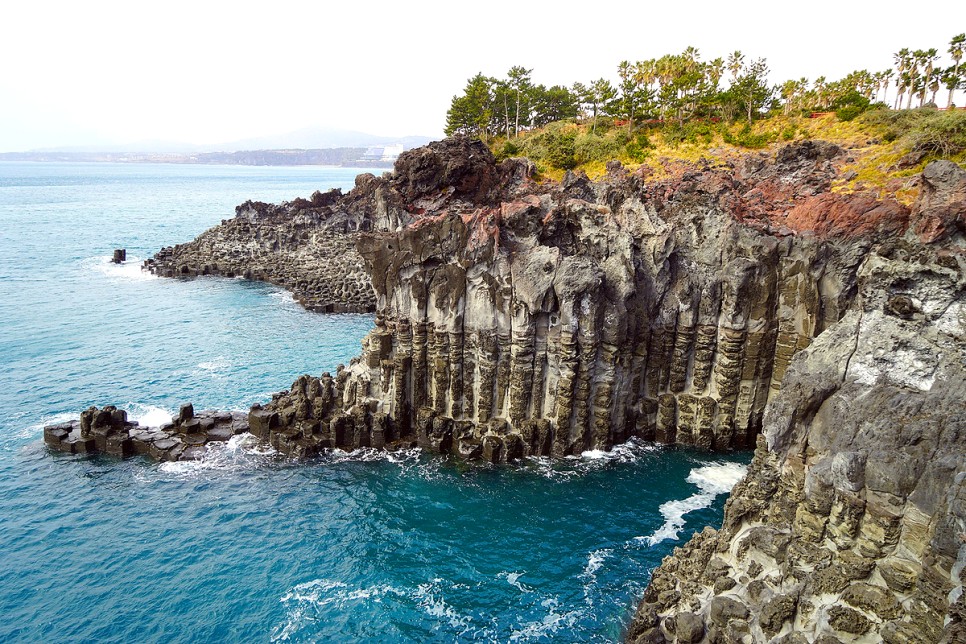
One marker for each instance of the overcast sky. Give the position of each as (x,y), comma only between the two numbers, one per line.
(208,72)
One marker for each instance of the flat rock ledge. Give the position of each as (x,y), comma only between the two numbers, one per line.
(108,431)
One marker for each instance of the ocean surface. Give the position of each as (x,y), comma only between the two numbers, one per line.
(245,545)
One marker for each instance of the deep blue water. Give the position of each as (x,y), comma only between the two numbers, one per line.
(246,546)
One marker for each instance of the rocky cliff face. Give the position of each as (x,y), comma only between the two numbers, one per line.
(516,318)
(850,525)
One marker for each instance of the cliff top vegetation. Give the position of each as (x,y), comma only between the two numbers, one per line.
(681,108)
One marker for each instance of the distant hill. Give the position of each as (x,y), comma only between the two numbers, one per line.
(312,138)
(319,138)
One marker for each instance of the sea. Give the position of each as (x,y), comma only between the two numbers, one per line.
(245,545)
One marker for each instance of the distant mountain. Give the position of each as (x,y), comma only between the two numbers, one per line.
(314,138)
(311,138)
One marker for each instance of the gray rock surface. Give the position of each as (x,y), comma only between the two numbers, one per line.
(852,512)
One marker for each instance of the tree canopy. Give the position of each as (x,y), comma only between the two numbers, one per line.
(681,87)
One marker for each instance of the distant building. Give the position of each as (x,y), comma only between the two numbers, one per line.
(391,152)
(386,153)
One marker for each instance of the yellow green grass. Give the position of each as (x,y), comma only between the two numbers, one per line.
(875,143)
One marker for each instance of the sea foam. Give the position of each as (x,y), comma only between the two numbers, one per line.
(127,271)
(711,480)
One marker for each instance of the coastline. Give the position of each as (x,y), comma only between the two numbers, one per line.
(448,210)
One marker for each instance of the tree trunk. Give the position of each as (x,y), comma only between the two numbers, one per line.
(506,116)
(516,128)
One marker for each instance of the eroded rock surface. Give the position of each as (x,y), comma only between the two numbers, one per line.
(517,317)
(851,524)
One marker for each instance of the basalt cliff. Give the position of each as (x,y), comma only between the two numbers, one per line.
(722,305)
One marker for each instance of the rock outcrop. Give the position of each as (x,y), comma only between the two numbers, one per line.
(517,318)
(850,525)
(108,431)
(305,246)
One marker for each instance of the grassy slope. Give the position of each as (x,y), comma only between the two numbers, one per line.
(876,141)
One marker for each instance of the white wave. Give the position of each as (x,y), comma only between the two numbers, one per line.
(711,480)
(592,460)
(283,296)
(240,452)
(429,597)
(594,562)
(37,429)
(513,578)
(217,364)
(128,271)
(147,415)
(313,600)
(549,624)
(369,454)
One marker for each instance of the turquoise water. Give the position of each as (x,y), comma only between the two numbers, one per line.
(244,545)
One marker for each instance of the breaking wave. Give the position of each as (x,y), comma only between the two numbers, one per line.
(712,480)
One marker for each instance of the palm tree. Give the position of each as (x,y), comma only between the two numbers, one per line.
(884,77)
(927,58)
(901,59)
(918,58)
(934,84)
(821,89)
(956,51)
(736,60)
(951,80)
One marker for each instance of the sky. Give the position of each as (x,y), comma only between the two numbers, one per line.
(206,72)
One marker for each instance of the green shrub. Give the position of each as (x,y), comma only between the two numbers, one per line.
(848,113)
(923,129)
(639,148)
(943,135)
(745,138)
(507,150)
(561,151)
(594,147)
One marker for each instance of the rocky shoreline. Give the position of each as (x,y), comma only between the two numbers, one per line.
(304,246)
(720,305)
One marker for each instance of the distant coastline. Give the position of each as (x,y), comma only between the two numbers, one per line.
(359,157)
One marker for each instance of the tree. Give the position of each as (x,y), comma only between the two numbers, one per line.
(902,59)
(955,50)
(599,94)
(929,57)
(736,61)
(554,104)
(503,100)
(472,112)
(753,87)
(951,80)
(519,81)
(633,95)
